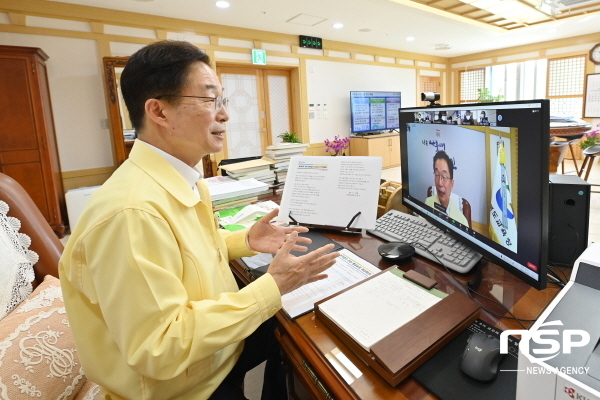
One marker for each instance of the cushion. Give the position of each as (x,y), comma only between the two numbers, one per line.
(37,351)
(89,391)
(16,263)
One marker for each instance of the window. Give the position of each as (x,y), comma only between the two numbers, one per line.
(561,80)
(565,86)
(470,81)
(518,81)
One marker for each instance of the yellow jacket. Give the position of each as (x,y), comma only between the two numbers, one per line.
(154,308)
(453,210)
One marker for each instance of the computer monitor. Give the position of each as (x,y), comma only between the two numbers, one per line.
(480,172)
(374,111)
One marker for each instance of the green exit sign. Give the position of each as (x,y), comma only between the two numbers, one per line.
(259,57)
(311,42)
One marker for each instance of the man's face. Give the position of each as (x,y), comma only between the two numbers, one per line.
(197,128)
(443,183)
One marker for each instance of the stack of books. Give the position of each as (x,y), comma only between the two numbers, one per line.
(253,169)
(280,154)
(226,192)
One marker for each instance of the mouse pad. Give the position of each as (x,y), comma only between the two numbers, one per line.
(442,376)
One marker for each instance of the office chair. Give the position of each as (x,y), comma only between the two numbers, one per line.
(590,154)
(570,140)
(463,204)
(558,150)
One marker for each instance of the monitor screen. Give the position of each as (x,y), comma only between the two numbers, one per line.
(374,111)
(480,172)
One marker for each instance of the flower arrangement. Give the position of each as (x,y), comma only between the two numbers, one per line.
(590,138)
(337,146)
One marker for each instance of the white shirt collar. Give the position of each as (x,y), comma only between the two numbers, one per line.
(191,175)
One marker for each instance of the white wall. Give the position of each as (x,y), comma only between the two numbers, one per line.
(330,82)
(77,94)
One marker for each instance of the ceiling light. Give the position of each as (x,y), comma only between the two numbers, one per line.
(364,30)
(338,25)
(222,4)
(410,39)
(442,46)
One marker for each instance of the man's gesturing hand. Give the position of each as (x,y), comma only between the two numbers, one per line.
(291,272)
(265,237)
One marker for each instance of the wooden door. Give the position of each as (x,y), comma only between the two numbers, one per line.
(246,129)
(259,109)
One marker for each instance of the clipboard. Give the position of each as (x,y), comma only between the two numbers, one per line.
(400,353)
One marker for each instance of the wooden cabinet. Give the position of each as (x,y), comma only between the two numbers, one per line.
(28,151)
(385,146)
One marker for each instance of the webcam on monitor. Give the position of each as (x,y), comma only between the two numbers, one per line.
(431,97)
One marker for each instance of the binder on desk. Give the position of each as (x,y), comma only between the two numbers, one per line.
(401,350)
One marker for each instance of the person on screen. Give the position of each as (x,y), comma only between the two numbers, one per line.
(483,119)
(456,120)
(468,119)
(442,201)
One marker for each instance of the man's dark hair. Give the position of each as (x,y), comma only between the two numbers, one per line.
(160,68)
(441,155)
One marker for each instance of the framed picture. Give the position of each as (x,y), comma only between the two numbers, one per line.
(591,101)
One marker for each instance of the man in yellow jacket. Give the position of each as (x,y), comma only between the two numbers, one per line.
(154,308)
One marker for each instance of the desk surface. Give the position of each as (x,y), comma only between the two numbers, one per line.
(306,340)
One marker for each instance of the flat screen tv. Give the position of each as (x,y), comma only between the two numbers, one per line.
(486,164)
(374,111)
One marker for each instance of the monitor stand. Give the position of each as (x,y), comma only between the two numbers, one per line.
(474,283)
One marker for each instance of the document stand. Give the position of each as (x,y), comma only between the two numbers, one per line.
(399,354)
(345,229)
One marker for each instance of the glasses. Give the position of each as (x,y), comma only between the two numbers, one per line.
(219,101)
(441,177)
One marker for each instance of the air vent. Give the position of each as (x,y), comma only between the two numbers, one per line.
(570,3)
(305,19)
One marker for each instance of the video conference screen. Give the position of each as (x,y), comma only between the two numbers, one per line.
(480,172)
(374,111)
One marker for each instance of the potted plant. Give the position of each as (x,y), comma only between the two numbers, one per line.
(484,96)
(337,146)
(590,138)
(289,137)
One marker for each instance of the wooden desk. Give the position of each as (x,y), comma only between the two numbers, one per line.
(305,340)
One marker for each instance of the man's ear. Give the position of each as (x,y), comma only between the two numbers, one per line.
(155,110)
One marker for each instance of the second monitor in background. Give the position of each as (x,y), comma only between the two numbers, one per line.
(374,112)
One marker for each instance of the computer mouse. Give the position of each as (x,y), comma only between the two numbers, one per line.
(398,252)
(481,357)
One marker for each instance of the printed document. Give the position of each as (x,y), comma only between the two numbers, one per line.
(347,270)
(374,309)
(326,190)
